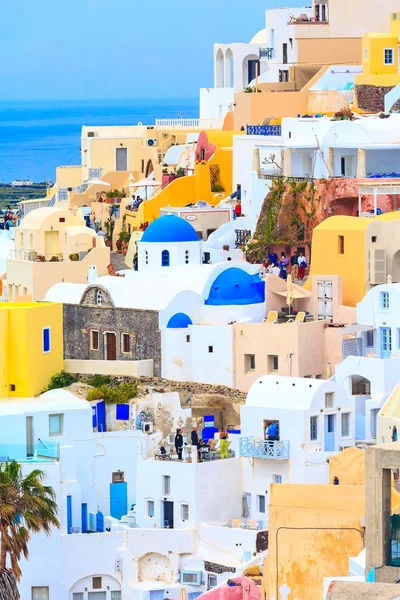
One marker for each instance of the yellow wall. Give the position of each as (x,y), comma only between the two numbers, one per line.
(305,557)
(68,176)
(351,265)
(374,69)
(28,367)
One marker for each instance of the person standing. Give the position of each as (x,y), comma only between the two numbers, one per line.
(283,263)
(302,265)
(179,443)
(238,209)
(194,436)
(223,443)
(294,264)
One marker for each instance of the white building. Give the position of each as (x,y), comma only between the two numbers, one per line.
(315,421)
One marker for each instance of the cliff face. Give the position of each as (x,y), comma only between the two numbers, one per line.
(371,97)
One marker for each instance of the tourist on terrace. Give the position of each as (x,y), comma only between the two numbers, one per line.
(273,258)
(274,270)
(302,265)
(283,263)
(238,209)
(295,265)
(100,232)
(179,443)
(224,443)
(272,432)
(194,436)
(133,201)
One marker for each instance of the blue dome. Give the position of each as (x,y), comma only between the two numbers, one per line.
(170,228)
(179,321)
(236,287)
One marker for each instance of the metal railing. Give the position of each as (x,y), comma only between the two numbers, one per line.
(267,53)
(33,256)
(254,448)
(62,195)
(42,451)
(190,123)
(289,178)
(275,130)
(95,173)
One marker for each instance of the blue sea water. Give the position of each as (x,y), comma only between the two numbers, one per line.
(36,137)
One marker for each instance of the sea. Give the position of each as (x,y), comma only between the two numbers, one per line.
(38,136)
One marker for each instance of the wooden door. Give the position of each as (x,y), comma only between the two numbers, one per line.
(111,346)
(51,243)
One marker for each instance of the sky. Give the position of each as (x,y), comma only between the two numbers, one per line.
(95,49)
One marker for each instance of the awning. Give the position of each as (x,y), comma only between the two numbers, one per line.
(296,292)
(355,328)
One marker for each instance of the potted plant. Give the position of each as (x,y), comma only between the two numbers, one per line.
(115,195)
(41,258)
(109,227)
(74,257)
(124,237)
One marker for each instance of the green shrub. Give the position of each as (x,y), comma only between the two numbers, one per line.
(99,380)
(113,394)
(61,380)
(217,188)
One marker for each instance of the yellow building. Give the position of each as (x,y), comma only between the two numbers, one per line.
(364,251)
(31,347)
(380,56)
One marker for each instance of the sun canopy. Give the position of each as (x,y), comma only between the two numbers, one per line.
(296,293)
(355,328)
(144,183)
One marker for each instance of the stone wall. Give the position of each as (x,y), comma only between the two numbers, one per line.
(371,97)
(141,325)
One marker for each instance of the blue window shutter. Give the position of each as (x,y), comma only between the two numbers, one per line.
(46,339)
(122,412)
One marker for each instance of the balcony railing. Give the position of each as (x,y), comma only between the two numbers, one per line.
(267,53)
(275,130)
(42,451)
(95,173)
(190,123)
(256,448)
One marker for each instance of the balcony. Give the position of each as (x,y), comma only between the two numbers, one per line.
(189,123)
(267,53)
(41,452)
(257,448)
(275,130)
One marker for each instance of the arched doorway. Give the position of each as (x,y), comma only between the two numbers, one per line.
(396,267)
(229,75)
(251,69)
(149,168)
(360,387)
(219,69)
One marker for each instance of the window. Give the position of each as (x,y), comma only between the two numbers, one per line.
(370,339)
(12,387)
(116,595)
(61,220)
(99,298)
(341,244)
(373,239)
(273,363)
(56,424)
(185,512)
(46,340)
(329,398)
(142,165)
(313,428)
(276,478)
(165,258)
(187,257)
(210,349)
(261,504)
(146,257)
(126,343)
(149,508)
(118,476)
(211,581)
(94,340)
(97,584)
(166,485)
(388,56)
(365,53)
(250,362)
(188,338)
(191,578)
(345,424)
(77,596)
(40,593)
(384,300)
(203,154)
(22,239)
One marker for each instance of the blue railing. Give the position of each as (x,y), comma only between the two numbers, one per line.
(253,448)
(264,130)
(95,173)
(42,451)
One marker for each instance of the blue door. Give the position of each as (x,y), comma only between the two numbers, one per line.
(118,499)
(329,433)
(157,594)
(69,514)
(84,515)
(386,342)
(101,416)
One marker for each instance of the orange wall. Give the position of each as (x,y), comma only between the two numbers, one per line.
(331,51)
(252,109)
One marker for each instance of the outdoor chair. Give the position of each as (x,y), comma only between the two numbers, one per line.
(272,317)
(300,317)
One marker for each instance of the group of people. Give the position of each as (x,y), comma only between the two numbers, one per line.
(279,266)
(9,220)
(201,445)
(136,201)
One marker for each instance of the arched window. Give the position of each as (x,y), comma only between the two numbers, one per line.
(165,258)
(187,257)
(99,298)
(146,257)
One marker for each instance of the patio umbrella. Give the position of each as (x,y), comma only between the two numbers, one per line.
(145,183)
(183,594)
(289,291)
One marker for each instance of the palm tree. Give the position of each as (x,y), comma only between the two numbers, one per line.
(26,505)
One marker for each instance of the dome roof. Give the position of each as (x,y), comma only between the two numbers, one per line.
(170,228)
